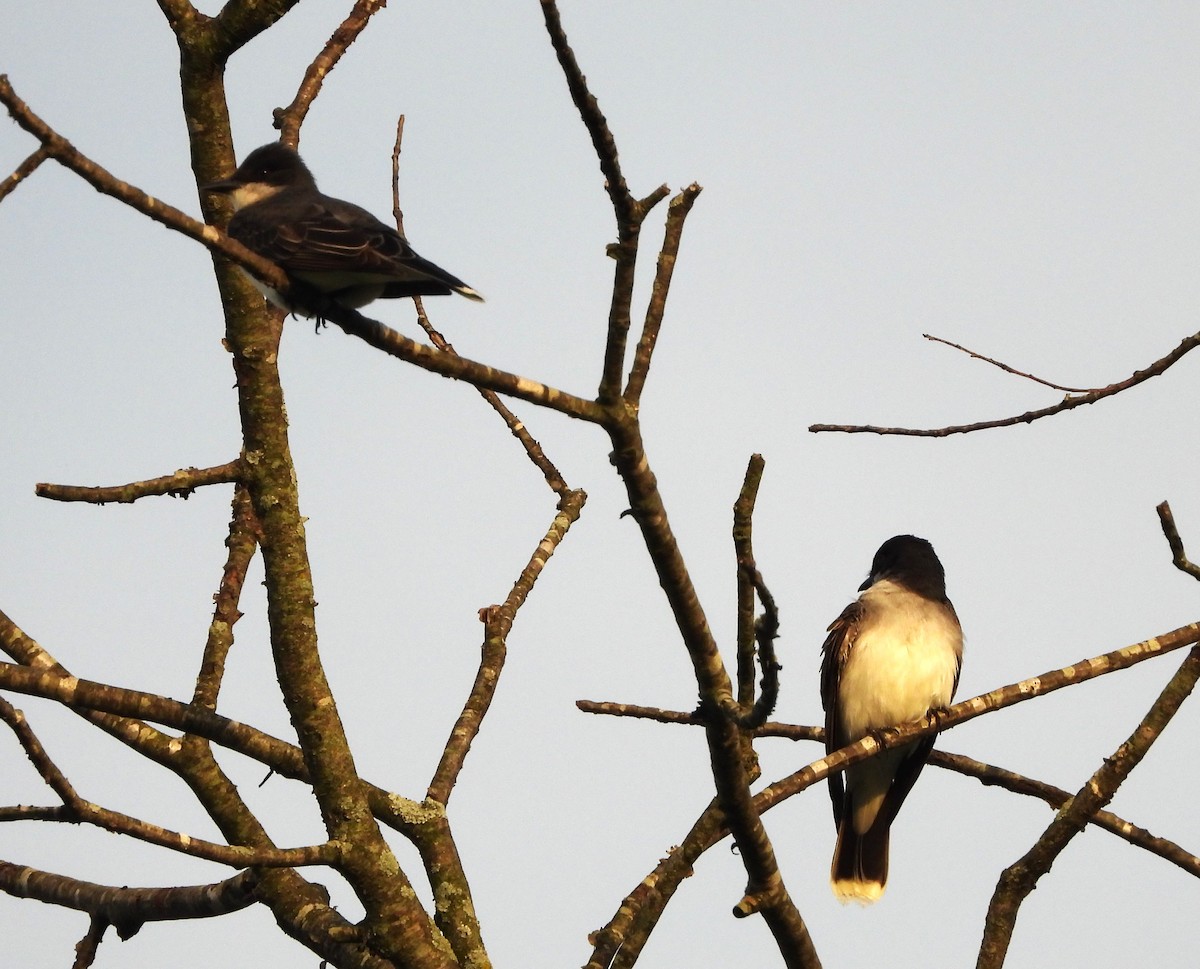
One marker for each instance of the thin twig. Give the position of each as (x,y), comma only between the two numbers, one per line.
(1007,369)
(514,424)
(991,776)
(497,623)
(242,543)
(23,171)
(629,212)
(1069,403)
(766,631)
(593,118)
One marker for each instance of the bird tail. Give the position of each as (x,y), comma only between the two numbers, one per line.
(860,861)
(464,290)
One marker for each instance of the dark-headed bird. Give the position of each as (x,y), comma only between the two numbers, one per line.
(332,249)
(893,655)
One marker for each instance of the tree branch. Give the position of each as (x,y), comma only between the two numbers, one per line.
(498,622)
(1069,403)
(288,120)
(242,543)
(1007,369)
(1021,878)
(127,909)
(677,213)
(396,344)
(1178,555)
(23,171)
(63,152)
(181,484)
(532,448)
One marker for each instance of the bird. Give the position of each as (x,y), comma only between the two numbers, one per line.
(333,251)
(893,655)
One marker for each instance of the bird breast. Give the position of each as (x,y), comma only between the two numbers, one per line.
(903,662)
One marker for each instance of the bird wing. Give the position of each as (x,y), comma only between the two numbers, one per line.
(842,633)
(329,236)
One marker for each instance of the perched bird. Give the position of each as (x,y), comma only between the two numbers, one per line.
(893,655)
(331,250)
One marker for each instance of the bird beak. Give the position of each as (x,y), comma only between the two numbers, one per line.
(223,187)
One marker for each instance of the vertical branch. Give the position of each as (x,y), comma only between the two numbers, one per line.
(87,947)
(743,514)
(242,542)
(624,205)
(730,755)
(1021,878)
(765,892)
(516,427)
(677,213)
(629,211)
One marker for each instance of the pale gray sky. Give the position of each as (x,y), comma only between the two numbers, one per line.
(1020,178)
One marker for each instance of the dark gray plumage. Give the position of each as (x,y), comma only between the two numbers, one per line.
(335,249)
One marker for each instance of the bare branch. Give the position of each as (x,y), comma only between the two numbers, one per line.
(77,810)
(288,120)
(1069,403)
(23,171)
(1007,369)
(87,947)
(727,744)
(629,212)
(987,774)
(138,734)
(1022,877)
(725,740)
(532,448)
(743,549)
(396,344)
(626,208)
(498,621)
(619,943)
(763,632)
(126,909)
(990,775)
(1179,556)
(238,23)
(63,152)
(76,693)
(181,484)
(677,213)
(965,710)
(242,543)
